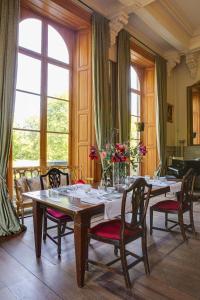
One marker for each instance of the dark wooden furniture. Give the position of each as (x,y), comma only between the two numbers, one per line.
(54,178)
(183,203)
(81,213)
(180,167)
(120,232)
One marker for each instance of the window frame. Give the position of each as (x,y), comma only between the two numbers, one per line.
(138,71)
(45,60)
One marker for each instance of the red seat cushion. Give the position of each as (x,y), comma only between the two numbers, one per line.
(111,230)
(80,181)
(58,215)
(169,205)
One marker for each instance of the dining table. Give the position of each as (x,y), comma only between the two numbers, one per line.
(81,213)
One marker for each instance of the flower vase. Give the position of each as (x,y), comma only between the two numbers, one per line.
(119,173)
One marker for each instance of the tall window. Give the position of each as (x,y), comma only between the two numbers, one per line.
(41,117)
(135,107)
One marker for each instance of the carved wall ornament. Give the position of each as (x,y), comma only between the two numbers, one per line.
(173,58)
(117,23)
(191,60)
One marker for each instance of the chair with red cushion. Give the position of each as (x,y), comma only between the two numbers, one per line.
(183,203)
(61,219)
(129,227)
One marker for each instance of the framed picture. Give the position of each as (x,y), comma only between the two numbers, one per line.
(170,112)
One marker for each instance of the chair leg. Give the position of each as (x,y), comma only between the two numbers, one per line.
(192,220)
(124,266)
(116,250)
(181,223)
(151,220)
(22,215)
(166,219)
(59,239)
(45,228)
(63,227)
(145,254)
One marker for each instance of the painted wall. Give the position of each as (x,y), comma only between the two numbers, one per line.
(177,83)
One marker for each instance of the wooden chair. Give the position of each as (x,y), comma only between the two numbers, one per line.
(61,219)
(180,205)
(120,232)
(22,202)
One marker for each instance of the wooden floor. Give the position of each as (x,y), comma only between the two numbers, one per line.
(175,269)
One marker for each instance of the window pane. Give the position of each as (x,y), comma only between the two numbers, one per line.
(26,148)
(57,149)
(135,104)
(28,74)
(135,84)
(57,48)
(27,111)
(58,82)
(30,34)
(58,115)
(134,132)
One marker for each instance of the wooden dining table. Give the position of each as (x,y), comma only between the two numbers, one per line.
(81,214)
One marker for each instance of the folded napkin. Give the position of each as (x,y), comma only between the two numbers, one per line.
(176,187)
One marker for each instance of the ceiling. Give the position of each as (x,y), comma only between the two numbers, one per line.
(170,27)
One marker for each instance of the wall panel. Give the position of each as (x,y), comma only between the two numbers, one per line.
(82,123)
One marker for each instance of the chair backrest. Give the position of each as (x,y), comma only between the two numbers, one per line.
(139,193)
(54,176)
(186,194)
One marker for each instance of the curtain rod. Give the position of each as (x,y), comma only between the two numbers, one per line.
(151,50)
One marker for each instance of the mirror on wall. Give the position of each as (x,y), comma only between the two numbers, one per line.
(193,113)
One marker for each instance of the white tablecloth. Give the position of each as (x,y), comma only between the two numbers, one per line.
(111,199)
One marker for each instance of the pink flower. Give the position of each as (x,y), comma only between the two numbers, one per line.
(103,154)
(120,147)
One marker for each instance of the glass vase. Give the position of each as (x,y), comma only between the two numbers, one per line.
(119,173)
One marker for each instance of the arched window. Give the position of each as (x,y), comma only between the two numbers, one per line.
(135,107)
(41,118)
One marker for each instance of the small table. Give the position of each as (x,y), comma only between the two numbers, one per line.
(80,212)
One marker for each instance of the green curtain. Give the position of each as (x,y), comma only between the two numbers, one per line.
(9,18)
(102,103)
(189,116)
(113,96)
(161,115)
(123,85)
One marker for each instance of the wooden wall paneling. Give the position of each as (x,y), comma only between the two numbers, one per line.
(196,116)
(149,164)
(82,124)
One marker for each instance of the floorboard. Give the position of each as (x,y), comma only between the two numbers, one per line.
(175,268)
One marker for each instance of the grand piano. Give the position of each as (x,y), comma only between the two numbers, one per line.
(179,167)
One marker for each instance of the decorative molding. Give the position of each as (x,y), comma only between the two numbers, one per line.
(173,58)
(117,22)
(191,60)
(136,3)
(178,15)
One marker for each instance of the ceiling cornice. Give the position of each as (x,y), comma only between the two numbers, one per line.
(140,36)
(178,16)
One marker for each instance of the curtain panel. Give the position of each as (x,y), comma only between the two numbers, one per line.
(100,70)
(161,115)
(9,19)
(123,85)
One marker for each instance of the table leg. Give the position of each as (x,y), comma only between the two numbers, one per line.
(37,222)
(81,225)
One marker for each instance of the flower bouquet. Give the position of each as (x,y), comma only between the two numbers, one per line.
(117,158)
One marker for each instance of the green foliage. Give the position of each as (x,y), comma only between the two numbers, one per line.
(26,144)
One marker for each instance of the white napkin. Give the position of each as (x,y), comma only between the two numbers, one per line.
(176,187)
